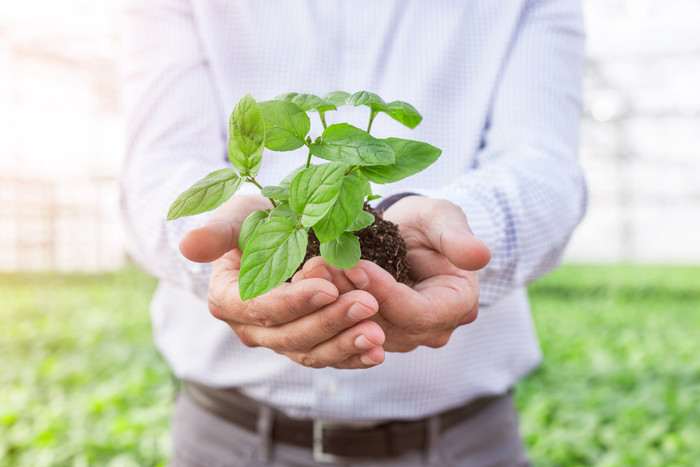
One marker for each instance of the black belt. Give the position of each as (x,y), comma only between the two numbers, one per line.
(331,442)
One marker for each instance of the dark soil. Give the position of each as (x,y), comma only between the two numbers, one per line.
(380,243)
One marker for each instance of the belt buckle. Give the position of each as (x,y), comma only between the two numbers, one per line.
(319,455)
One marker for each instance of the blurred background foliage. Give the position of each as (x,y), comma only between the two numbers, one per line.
(620,384)
(60,77)
(82,384)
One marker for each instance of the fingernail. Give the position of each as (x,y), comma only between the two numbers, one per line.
(364,358)
(322,299)
(362,343)
(358,277)
(358,311)
(320,272)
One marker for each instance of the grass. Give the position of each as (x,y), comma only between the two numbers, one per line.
(81,383)
(620,385)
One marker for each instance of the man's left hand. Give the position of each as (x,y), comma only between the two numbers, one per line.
(443,256)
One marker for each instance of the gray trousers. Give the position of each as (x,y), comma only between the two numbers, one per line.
(201,439)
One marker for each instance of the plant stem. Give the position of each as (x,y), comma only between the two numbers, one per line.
(255,182)
(322,115)
(372,114)
(308,159)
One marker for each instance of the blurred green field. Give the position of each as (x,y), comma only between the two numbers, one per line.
(81,383)
(620,385)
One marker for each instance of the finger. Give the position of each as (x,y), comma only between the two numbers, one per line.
(317,267)
(419,315)
(220,233)
(278,306)
(368,359)
(357,347)
(311,330)
(395,299)
(434,340)
(285,303)
(297,277)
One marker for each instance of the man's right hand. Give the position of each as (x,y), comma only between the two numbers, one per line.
(306,320)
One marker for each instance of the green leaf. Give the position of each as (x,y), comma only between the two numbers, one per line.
(369,99)
(411,158)
(278,192)
(281,192)
(288,179)
(271,257)
(246,136)
(283,210)
(363,220)
(345,143)
(314,191)
(307,102)
(286,125)
(344,211)
(206,194)
(368,188)
(337,98)
(254,220)
(342,252)
(405,113)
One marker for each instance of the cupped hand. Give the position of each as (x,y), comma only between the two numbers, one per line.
(307,320)
(443,256)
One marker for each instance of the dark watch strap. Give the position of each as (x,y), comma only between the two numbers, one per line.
(386,203)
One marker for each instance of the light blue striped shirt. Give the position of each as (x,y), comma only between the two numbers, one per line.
(498,83)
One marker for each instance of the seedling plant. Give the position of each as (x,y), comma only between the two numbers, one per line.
(325,198)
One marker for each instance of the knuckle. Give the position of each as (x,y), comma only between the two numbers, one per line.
(290,342)
(423,326)
(401,347)
(288,303)
(310,361)
(263,319)
(438,341)
(328,324)
(245,337)
(256,315)
(217,311)
(470,316)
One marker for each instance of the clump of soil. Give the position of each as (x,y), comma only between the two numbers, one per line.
(380,243)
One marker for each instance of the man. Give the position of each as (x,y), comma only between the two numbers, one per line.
(267,383)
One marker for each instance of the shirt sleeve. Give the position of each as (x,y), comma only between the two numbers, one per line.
(174,134)
(526,192)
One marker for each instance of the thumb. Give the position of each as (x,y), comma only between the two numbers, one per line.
(219,234)
(448,231)
(463,249)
